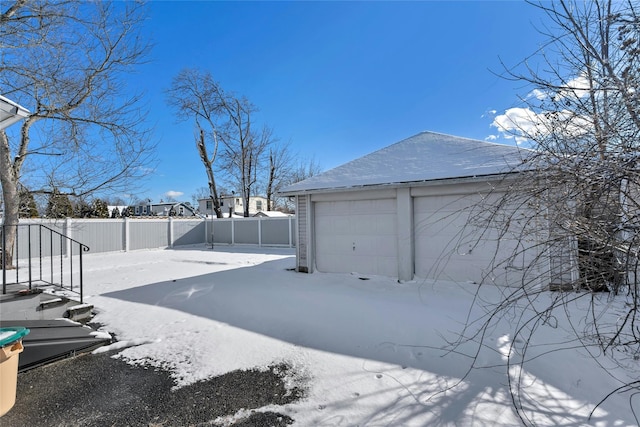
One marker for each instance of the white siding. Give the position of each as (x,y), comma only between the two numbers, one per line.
(302,254)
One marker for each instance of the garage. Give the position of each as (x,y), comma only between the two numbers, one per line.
(408,211)
(356,236)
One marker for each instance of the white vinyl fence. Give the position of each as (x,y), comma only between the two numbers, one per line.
(259,231)
(129,234)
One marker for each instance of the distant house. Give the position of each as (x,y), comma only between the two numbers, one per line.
(232,204)
(164,209)
(404,211)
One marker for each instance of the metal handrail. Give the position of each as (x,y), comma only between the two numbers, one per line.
(45,255)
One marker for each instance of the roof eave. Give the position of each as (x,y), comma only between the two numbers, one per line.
(425,183)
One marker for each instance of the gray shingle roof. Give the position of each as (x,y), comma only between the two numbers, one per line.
(426,156)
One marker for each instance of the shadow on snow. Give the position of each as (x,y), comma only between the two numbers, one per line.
(377,320)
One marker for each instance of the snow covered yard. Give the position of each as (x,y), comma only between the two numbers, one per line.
(367,350)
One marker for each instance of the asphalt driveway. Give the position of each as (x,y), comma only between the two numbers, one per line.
(98,390)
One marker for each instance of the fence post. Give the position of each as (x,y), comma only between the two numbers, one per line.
(125,234)
(68,232)
(170,225)
(290,233)
(259,231)
(233,231)
(212,231)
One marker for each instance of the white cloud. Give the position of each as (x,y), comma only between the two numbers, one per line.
(538,94)
(575,88)
(518,122)
(173,194)
(523,124)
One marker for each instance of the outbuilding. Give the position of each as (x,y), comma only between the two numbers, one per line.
(412,210)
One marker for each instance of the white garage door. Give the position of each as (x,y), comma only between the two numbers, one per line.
(357,236)
(446,243)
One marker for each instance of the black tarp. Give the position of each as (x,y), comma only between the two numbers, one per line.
(50,340)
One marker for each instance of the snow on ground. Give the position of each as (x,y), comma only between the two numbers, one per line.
(370,351)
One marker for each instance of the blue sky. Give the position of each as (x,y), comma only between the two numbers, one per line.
(336,79)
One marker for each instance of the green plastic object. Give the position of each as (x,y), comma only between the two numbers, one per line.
(12,334)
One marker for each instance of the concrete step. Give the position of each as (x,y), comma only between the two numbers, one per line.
(79,312)
(25,304)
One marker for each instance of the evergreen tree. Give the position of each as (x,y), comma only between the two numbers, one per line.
(59,205)
(82,210)
(28,207)
(115,213)
(100,209)
(127,211)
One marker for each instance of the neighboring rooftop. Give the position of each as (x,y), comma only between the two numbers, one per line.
(426,156)
(272,214)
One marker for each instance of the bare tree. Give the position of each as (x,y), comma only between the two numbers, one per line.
(285,168)
(280,162)
(230,142)
(244,147)
(295,170)
(64,61)
(305,168)
(195,95)
(199,194)
(580,181)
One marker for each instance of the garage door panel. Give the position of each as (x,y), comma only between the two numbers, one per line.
(340,244)
(356,236)
(376,246)
(446,203)
(438,225)
(386,226)
(362,246)
(388,266)
(452,244)
(340,225)
(445,245)
(382,224)
(323,209)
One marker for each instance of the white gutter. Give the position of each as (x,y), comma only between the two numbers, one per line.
(10,112)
